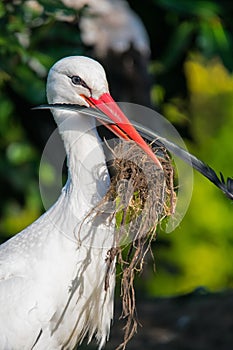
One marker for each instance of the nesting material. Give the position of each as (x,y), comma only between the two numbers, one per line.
(142,195)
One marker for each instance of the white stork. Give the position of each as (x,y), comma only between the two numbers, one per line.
(52,274)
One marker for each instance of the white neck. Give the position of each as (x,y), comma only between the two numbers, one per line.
(86,160)
(88,178)
(88,181)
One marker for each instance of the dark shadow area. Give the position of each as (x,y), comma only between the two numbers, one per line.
(196,321)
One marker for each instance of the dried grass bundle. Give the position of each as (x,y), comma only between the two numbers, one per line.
(143,195)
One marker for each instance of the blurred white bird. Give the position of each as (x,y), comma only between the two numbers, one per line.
(52,274)
(101,28)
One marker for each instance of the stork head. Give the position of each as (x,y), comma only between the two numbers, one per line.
(73,78)
(81,80)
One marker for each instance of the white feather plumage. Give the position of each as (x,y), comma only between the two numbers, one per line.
(52,274)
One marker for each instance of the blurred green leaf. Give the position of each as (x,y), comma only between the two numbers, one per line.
(178,43)
(200,250)
(19,152)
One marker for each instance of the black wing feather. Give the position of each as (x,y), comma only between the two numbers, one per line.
(225,186)
(201,167)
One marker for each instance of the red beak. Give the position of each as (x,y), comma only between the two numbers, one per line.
(122,126)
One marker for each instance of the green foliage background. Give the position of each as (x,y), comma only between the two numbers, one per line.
(192,63)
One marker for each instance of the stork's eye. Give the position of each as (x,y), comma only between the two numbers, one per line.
(76,80)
